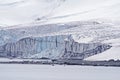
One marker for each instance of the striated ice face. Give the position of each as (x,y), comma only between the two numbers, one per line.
(67,40)
(53,47)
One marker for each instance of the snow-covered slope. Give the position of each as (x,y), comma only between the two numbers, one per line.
(14,12)
(53,11)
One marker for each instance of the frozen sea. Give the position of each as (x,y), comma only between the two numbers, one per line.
(57,72)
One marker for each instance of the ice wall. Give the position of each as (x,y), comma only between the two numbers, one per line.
(59,46)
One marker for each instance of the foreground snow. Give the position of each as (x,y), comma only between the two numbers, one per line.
(57,72)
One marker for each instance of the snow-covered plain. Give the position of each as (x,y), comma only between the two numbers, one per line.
(57,72)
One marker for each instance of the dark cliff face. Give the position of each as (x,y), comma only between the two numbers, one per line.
(51,47)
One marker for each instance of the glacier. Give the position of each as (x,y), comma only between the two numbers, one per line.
(51,47)
(56,41)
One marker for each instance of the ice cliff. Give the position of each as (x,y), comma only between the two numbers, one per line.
(73,40)
(51,47)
